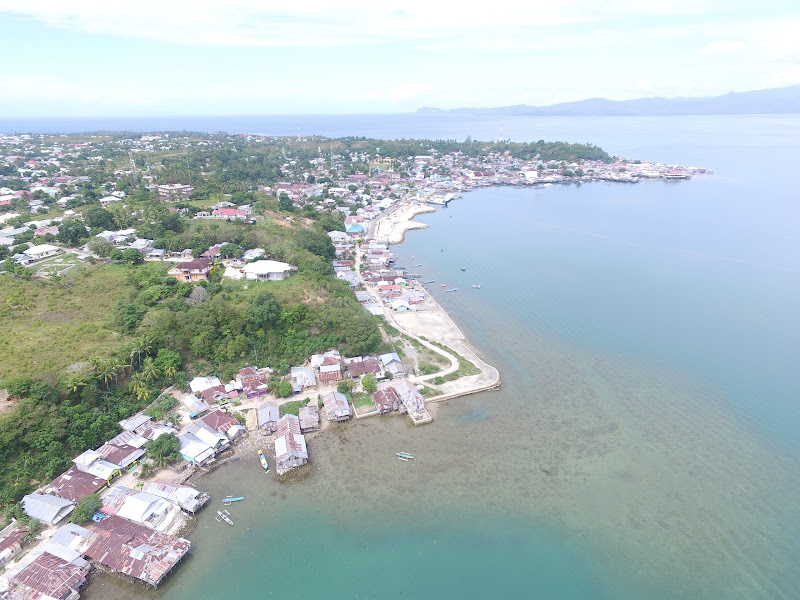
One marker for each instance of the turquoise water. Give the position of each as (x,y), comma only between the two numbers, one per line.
(645,443)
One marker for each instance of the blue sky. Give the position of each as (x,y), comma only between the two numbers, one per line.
(163,57)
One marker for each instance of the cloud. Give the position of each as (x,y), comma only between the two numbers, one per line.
(724,47)
(783,78)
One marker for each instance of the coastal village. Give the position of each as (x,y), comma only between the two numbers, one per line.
(146,507)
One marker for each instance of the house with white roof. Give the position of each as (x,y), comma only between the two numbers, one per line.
(41,251)
(195,450)
(267,270)
(47,509)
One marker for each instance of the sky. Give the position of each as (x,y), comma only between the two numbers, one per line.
(249,57)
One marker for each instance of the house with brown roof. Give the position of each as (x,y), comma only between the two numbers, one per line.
(359,367)
(290,445)
(309,418)
(197,269)
(50,576)
(75,485)
(12,543)
(387,400)
(224,423)
(330,371)
(336,406)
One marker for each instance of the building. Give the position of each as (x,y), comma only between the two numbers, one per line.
(75,485)
(42,251)
(290,445)
(359,367)
(195,450)
(197,269)
(268,416)
(174,189)
(224,423)
(253,382)
(154,512)
(387,400)
(187,498)
(303,379)
(11,543)
(309,419)
(93,463)
(267,270)
(330,370)
(135,550)
(45,508)
(51,577)
(121,454)
(336,406)
(392,364)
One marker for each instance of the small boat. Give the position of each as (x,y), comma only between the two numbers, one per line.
(452,290)
(228,500)
(463,268)
(405,455)
(429,281)
(224,515)
(263,460)
(477,286)
(417,265)
(403,458)
(443,285)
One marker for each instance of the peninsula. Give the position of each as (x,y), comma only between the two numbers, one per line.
(166,296)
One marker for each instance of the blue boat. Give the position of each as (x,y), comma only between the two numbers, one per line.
(404,456)
(263,460)
(227,500)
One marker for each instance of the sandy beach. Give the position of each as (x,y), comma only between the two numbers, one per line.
(394,226)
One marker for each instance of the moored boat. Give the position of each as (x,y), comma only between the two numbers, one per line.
(477,286)
(405,455)
(263,460)
(227,500)
(224,515)
(452,290)
(429,281)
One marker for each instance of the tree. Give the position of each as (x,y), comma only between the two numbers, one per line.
(368,383)
(132,256)
(86,508)
(345,386)
(101,246)
(228,250)
(285,389)
(149,370)
(163,450)
(98,218)
(115,254)
(264,311)
(71,232)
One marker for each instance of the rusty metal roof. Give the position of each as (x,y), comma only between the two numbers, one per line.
(53,576)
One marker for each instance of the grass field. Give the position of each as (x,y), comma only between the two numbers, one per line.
(46,326)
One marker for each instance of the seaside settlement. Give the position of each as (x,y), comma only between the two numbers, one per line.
(50,203)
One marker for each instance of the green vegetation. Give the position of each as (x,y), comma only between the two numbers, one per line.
(161,407)
(87,507)
(293,407)
(360,399)
(465,367)
(429,392)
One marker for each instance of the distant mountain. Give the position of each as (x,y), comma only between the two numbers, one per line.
(785,100)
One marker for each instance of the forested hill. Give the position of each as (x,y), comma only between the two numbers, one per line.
(785,100)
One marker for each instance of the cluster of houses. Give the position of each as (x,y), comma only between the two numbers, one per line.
(128,535)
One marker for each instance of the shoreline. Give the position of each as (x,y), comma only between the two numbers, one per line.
(400,220)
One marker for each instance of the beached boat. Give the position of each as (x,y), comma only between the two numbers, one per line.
(405,455)
(224,515)
(452,290)
(263,460)
(228,500)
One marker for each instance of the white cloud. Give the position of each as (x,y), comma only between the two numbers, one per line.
(783,78)
(724,47)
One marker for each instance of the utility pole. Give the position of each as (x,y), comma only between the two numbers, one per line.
(133,169)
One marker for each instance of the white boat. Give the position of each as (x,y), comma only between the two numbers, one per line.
(224,515)
(405,456)
(452,290)
(477,286)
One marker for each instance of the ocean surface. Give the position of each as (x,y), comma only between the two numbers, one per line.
(646,440)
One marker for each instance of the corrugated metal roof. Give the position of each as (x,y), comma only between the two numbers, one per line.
(46,508)
(75,484)
(53,576)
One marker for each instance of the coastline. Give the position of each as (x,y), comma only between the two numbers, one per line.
(396,223)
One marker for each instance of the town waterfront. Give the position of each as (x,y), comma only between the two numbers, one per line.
(646,442)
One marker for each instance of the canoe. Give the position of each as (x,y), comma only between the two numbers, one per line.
(229,499)
(405,455)
(263,460)
(223,515)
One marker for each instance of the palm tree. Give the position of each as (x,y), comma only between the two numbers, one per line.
(137,383)
(141,346)
(150,370)
(72,383)
(105,372)
(170,370)
(143,394)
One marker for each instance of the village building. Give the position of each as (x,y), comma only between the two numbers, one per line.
(387,400)
(267,270)
(358,367)
(146,509)
(290,445)
(303,379)
(309,419)
(121,454)
(42,251)
(224,423)
(194,450)
(337,408)
(174,189)
(205,432)
(198,384)
(194,270)
(268,416)
(187,498)
(11,541)
(49,576)
(93,463)
(392,364)
(135,550)
(45,508)
(194,405)
(330,370)
(253,382)
(74,485)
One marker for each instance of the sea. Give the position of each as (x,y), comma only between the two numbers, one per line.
(645,444)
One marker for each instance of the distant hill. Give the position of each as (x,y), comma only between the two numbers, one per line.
(785,100)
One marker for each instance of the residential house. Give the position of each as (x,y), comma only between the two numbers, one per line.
(268,416)
(387,400)
(267,270)
(337,408)
(413,400)
(93,463)
(205,432)
(51,577)
(11,543)
(392,364)
(121,454)
(330,370)
(194,405)
(45,508)
(224,423)
(41,251)
(187,498)
(74,485)
(303,379)
(290,445)
(135,550)
(174,189)
(194,450)
(253,382)
(146,509)
(194,270)
(198,384)
(309,418)
(358,367)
